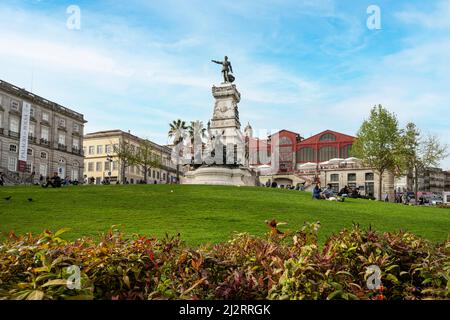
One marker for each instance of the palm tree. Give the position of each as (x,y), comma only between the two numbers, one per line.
(197,132)
(177,132)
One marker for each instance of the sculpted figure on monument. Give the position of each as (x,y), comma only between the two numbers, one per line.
(226,69)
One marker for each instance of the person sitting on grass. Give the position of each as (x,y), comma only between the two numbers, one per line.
(328,192)
(317,191)
(55,181)
(344,192)
(355,193)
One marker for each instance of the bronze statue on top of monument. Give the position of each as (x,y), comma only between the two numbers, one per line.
(223,160)
(227,69)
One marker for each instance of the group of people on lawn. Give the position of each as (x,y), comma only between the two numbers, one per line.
(329,194)
(55,181)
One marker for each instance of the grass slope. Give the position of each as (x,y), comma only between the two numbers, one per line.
(201,213)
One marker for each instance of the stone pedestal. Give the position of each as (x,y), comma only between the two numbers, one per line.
(224,131)
(225,121)
(217,175)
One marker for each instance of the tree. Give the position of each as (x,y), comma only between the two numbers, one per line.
(177,132)
(125,152)
(411,161)
(147,157)
(420,153)
(197,132)
(378,143)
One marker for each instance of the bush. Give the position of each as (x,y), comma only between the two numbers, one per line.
(246,267)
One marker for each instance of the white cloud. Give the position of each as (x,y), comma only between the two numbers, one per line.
(438,18)
(59,56)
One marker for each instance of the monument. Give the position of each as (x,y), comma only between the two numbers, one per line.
(226,161)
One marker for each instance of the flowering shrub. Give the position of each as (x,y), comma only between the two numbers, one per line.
(279,266)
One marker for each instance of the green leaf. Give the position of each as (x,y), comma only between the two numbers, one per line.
(334,295)
(23,295)
(352,296)
(336,286)
(59,260)
(345,272)
(126,280)
(36,295)
(61,231)
(41,269)
(45,276)
(55,282)
(392,278)
(391,267)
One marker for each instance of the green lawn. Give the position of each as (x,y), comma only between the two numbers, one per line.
(201,213)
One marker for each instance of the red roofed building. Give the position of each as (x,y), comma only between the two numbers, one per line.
(324,146)
(294,150)
(303,162)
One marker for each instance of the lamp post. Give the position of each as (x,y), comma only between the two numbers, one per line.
(110,159)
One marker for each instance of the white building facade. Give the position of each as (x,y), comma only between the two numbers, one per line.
(54,142)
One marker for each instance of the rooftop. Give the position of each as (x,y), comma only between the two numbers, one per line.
(118,132)
(24,94)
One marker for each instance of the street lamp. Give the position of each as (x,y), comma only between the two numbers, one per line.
(110,159)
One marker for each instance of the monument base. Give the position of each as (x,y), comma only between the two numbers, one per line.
(221,175)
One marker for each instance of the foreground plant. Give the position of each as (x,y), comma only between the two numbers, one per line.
(291,266)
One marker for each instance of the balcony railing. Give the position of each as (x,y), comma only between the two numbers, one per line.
(31,139)
(62,147)
(167,168)
(44,142)
(77,151)
(13,134)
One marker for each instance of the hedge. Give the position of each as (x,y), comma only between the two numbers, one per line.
(278,266)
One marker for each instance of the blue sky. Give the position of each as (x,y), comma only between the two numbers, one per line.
(305,66)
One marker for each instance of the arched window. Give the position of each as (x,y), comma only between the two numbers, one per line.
(328,137)
(285,140)
(62,168)
(306,154)
(29,152)
(75,174)
(345,151)
(13,148)
(327,153)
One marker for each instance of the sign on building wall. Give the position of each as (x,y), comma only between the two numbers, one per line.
(24,129)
